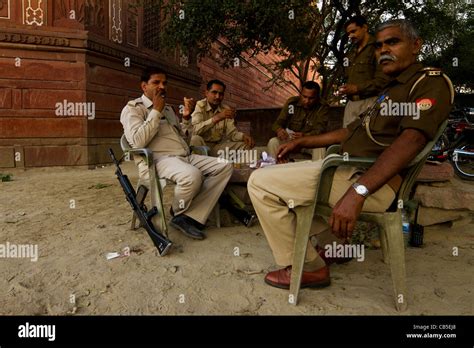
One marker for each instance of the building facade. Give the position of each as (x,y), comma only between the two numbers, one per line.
(68,67)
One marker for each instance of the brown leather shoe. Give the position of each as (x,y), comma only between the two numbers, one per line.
(281,278)
(331,260)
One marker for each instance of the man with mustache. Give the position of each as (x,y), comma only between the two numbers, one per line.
(365,78)
(149,122)
(213,123)
(394,141)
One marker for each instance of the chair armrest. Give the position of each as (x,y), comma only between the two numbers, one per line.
(333,149)
(142,152)
(329,167)
(200,150)
(338,160)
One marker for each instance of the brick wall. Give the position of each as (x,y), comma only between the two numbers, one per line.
(81,60)
(245,83)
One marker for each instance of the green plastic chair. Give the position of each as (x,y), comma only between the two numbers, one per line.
(390,222)
(157,184)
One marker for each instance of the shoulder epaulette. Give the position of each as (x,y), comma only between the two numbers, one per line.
(430,71)
(201,103)
(134,102)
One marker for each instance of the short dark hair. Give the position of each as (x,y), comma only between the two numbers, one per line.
(151,70)
(358,20)
(311,85)
(406,27)
(215,82)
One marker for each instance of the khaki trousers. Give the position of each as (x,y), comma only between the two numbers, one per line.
(275,188)
(199,180)
(353,109)
(274,143)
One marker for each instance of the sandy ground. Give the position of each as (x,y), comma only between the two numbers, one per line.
(72,275)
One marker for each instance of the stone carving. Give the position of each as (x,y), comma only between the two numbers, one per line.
(115,10)
(4,9)
(34,12)
(132,25)
(34,39)
(92,15)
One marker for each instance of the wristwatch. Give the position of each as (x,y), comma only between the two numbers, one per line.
(360,189)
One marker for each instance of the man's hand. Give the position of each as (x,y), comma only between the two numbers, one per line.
(158,100)
(348,89)
(189,105)
(297,135)
(249,142)
(282,134)
(345,213)
(285,149)
(227,113)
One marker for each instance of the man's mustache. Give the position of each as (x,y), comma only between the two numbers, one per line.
(387,57)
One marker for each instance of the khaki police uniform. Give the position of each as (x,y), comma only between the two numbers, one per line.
(364,72)
(293,116)
(271,192)
(217,136)
(199,180)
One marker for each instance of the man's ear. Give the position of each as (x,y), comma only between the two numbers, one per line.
(417,46)
(143,86)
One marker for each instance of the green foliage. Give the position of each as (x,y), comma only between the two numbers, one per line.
(308,36)
(5,177)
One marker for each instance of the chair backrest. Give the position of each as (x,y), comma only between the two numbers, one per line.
(124,143)
(417,164)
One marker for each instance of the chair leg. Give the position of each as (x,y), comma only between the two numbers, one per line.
(217,214)
(396,254)
(304,217)
(384,246)
(134,221)
(157,201)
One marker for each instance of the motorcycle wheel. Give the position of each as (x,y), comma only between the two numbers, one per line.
(464,163)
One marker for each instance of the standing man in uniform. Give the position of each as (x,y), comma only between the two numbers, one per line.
(392,138)
(149,122)
(301,116)
(365,78)
(213,123)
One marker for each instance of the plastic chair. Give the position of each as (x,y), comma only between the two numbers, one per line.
(391,235)
(156,184)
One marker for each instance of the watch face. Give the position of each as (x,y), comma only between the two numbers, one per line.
(361,189)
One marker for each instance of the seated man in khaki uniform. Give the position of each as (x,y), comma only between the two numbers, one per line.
(301,116)
(149,122)
(213,123)
(394,138)
(365,78)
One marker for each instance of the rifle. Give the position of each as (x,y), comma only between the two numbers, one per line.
(161,242)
